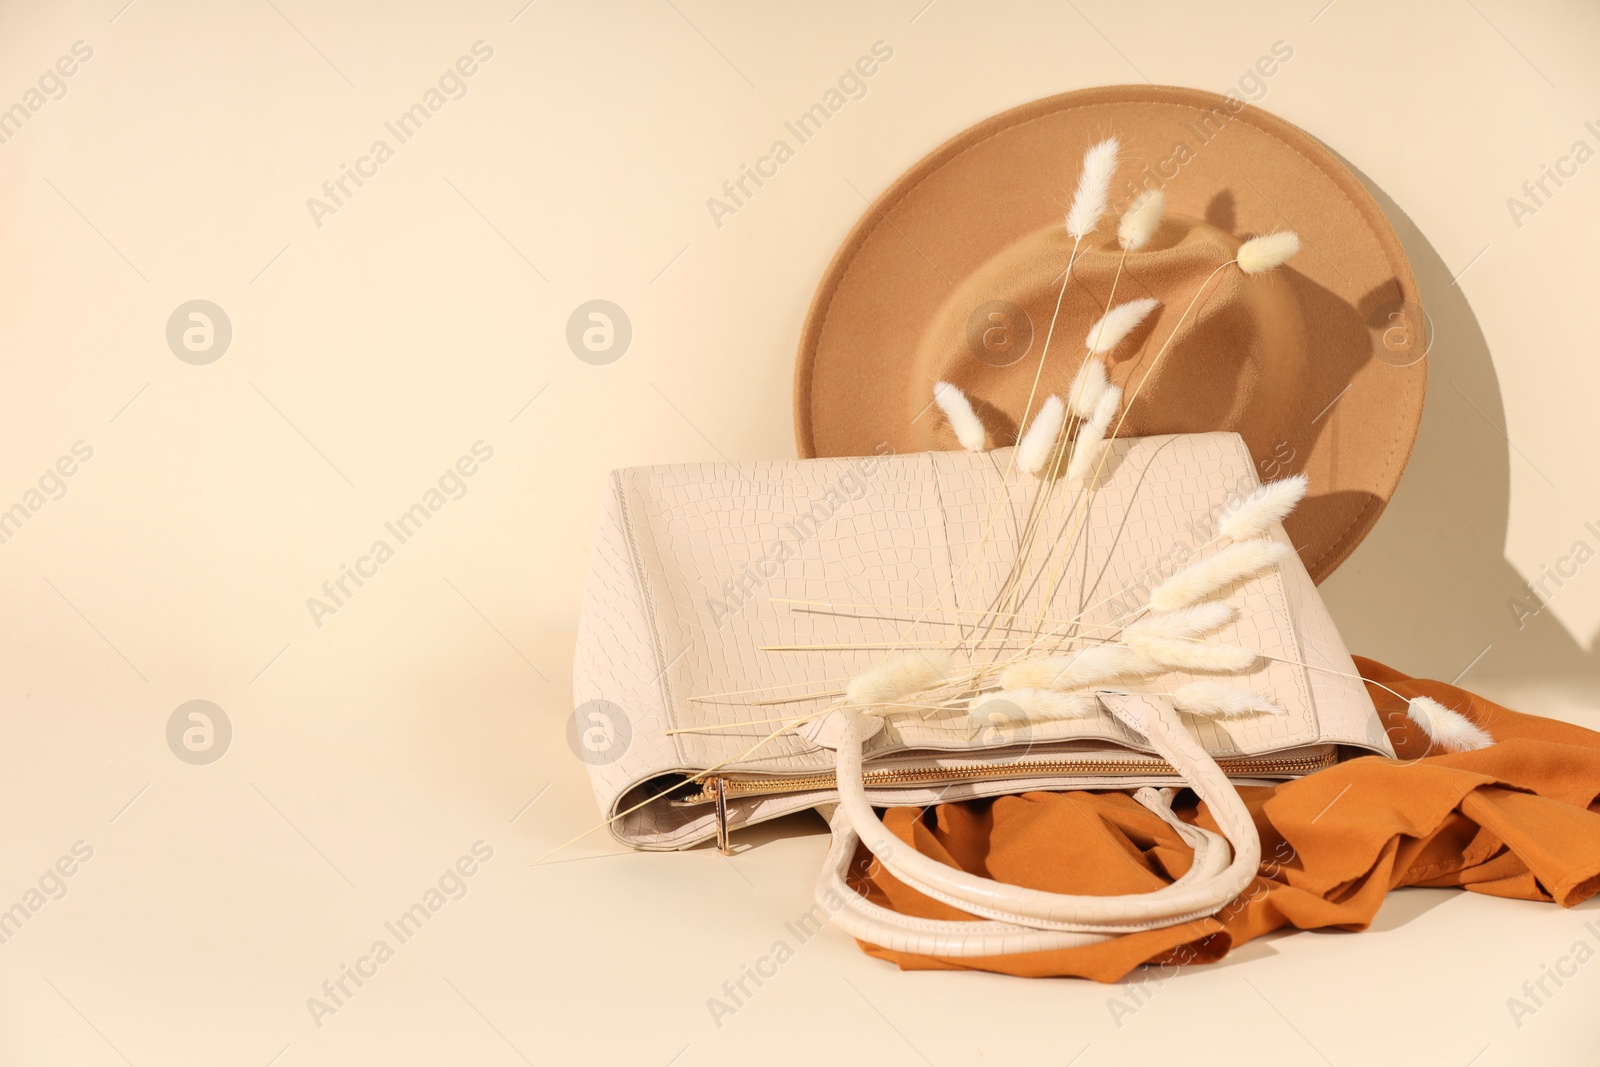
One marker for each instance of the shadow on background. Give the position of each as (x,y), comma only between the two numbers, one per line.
(1429,590)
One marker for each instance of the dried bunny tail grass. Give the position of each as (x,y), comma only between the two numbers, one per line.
(1034,705)
(1261,254)
(1235,563)
(1179,654)
(1106,406)
(1223,701)
(1089,201)
(1091,440)
(1141,220)
(1270,503)
(1095,665)
(1197,620)
(1085,451)
(1033,451)
(1447,729)
(963,420)
(1088,387)
(901,674)
(1117,323)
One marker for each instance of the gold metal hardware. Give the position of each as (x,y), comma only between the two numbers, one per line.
(720,787)
(718,790)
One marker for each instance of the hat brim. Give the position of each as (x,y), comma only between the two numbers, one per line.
(1238,167)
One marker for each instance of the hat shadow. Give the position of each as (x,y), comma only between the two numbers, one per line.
(1430,590)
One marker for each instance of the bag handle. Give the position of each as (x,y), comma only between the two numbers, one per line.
(860,918)
(1021,915)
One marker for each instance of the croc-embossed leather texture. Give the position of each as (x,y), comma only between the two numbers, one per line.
(714,589)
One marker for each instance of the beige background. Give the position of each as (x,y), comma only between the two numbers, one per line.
(372,351)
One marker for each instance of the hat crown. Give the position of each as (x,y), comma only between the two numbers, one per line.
(1229,364)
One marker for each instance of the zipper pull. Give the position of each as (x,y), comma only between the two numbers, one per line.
(718,790)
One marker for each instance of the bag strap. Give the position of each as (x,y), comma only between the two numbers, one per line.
(860,918)
(1212,881)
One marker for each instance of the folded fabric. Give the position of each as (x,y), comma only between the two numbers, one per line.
(1519,819)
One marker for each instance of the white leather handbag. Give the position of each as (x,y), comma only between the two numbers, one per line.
(729,608)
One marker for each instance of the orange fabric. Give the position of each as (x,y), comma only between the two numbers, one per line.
(1519,819)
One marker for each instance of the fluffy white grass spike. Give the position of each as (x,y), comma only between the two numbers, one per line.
(1106,407)
(1087,387)
(1197,620)
(1089,201)
(1141,220)
(1091,439)
(1095,665)
(963,420)
(900,675)
(1117,323)
(1193,655)
(1235,563)
(1223,701)
(1033,451)
(1255,514)
(1448,729)
(1085,452)
(1036,705)
(1260,254)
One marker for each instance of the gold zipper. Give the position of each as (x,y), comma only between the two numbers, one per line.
(718,788)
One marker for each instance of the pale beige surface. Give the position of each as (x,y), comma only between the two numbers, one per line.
(372,352)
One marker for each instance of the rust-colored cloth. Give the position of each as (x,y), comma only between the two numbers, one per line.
(1519,819)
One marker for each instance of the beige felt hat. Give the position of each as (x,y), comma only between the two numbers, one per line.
(953,275)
